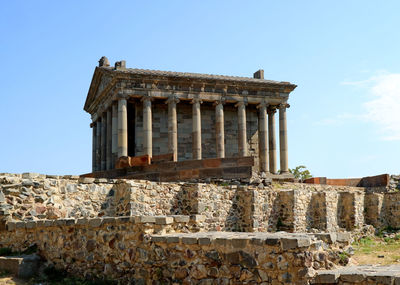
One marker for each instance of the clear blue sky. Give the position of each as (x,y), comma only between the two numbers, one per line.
(344,119)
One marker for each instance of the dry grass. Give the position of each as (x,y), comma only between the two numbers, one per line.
(377,250)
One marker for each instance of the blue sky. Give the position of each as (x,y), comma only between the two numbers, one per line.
(344,119)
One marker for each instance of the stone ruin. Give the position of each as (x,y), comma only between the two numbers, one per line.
(144,232)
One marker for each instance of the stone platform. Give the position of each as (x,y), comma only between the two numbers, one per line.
(363,274)
(187,170)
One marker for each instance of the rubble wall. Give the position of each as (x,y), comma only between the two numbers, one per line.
(145,249)
(292,207)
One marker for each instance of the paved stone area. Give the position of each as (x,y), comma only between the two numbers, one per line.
(365,274)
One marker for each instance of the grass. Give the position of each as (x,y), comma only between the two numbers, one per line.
(377,250)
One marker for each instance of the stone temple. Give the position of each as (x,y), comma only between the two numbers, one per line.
(141,117)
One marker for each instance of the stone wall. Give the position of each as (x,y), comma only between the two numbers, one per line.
(146,249)
(34,196)
(292,207)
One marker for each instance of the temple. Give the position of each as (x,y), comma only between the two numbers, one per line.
(141,115)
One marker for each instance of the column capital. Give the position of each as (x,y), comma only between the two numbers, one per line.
(172,99)
(263,104)
(196,101)
(120,95)
(283,106)
(146,98)
(220,101)
(271,109)
(241,103)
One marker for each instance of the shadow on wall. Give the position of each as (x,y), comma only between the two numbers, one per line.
(185,201)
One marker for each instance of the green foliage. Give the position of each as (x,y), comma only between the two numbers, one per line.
(5,251)
(366,241)
(300,172)
(4,273)
(344,258)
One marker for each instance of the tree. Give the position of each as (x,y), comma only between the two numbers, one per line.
(300,172)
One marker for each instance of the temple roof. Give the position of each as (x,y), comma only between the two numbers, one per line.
(195,75)
(105,77)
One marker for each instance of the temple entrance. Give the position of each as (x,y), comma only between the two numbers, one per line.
(131,129)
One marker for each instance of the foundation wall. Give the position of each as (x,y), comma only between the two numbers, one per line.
(288,206)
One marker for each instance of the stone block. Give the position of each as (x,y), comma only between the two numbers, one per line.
(139,160)
(30,224)
(158,239)
(20,225)
(172,239)
(211,173)
(189,174)
(30,175)
(204,241)
(352,277)
(122,162)
(343,237)
(11,226)
(197,218)
(164,220)
(86,180)
(145,219)
(245,161)
(326,277)
(162,158)
(169,176)
(108,221)
(238,243)
(272,241)
(181,218)
(123,219)
(95,222)
(189,240)
(211,163)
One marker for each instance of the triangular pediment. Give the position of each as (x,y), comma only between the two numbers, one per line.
(100,81)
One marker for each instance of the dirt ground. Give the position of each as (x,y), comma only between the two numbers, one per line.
(12,281)
(377,250)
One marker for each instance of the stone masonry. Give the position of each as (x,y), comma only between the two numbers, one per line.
(194,233)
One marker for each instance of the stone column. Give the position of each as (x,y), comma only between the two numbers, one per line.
(114,134)
(109,139)
(172,127)
(196,128)
(147,126)
(272,139)
(263,137)
(219,128)
(122,128)
(98,144)
(283,145)
(103,141)
(242,133)
(94,142)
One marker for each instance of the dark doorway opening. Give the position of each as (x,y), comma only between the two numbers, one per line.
(131,129)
